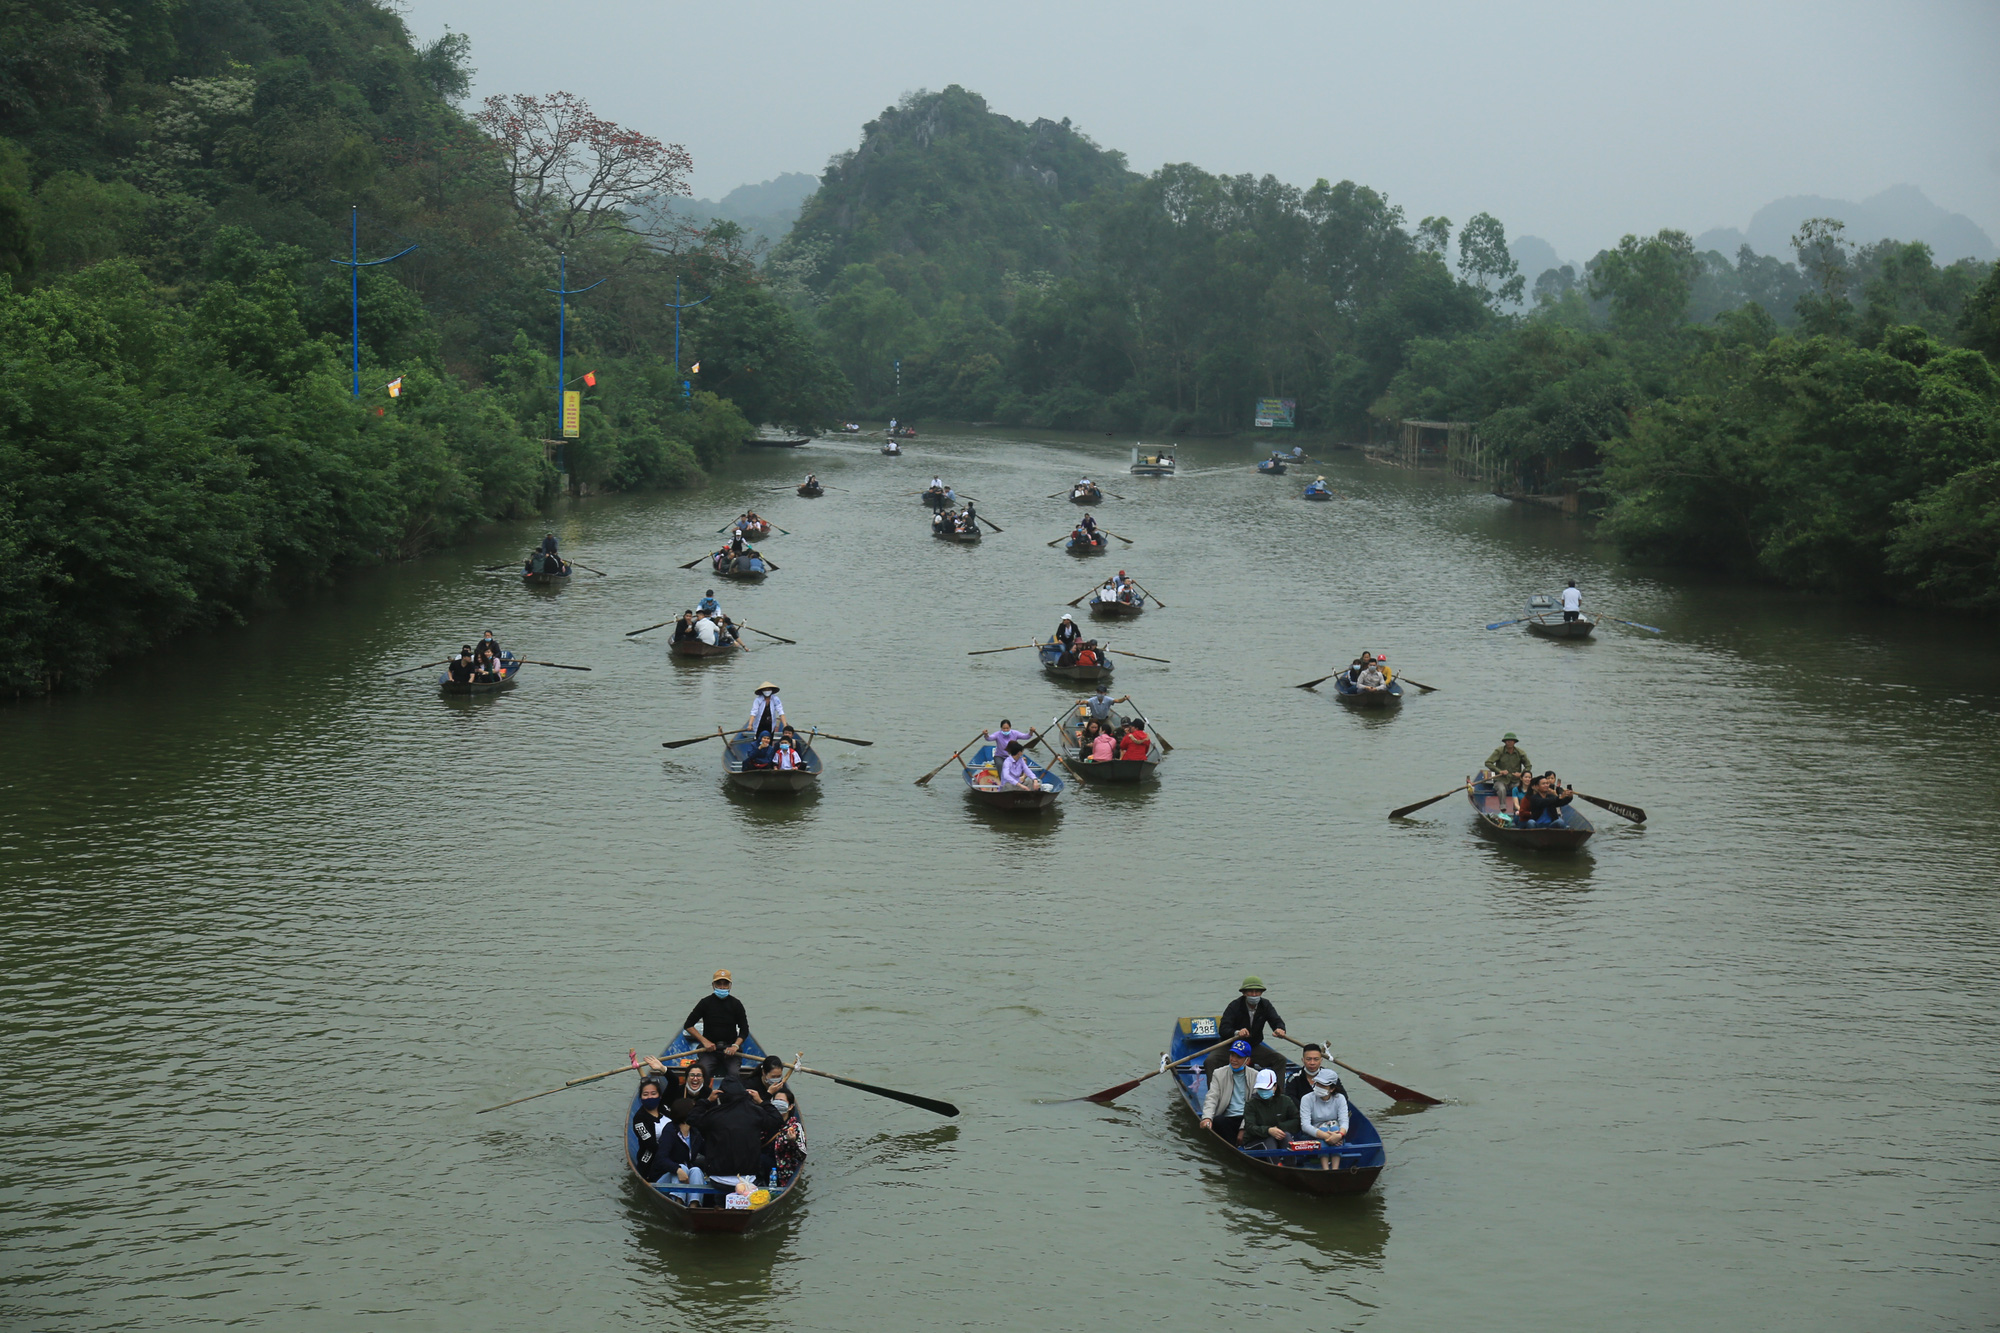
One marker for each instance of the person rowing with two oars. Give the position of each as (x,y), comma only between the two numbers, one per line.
(1508,769)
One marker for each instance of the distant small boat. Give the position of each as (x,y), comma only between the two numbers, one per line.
(1350,693)
(509,668)
(1070,726)
(1158,464)
(892,448)
(737,749)
(982,784)
(1272,467)
(1093,543)
(756,531)
(1558,628)
(901,433)
(749,566)
(812,492)
(540,571)
(1350,1168)
(948,533)
(937,499)
(761,443)
(1085,495)
(692,648)
(1115,607)
(1096,674)
(1570,833)
(1317,491)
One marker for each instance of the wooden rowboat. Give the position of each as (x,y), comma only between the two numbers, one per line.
(779,444)
(982,784)
(1313,493)
(754,532)
(1094,543)
(704,1209)
(811,492)
(1051,653)
(740,746)
(1272,467)
(695,649)
(1555,627)
(1349,693)
(892,448)
(1347,1168)
(951,534)
(749,566)
(546,576)
(943,499)
(1567,836)
(1070,726)
(1115,609)
(509,669)
(1085,495)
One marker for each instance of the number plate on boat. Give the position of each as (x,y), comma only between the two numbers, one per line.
(1201,1027)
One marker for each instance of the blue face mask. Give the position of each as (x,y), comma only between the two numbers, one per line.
(650,1103)
(722,992)
(1267,1092)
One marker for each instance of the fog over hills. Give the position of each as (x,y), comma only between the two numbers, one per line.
(1899,213)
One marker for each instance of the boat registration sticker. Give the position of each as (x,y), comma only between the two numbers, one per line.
(735,1200)
(1202,1027)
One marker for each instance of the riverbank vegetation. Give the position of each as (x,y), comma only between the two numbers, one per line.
(179,436)
(1828,421)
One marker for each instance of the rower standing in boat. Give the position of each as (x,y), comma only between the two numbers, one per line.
(1066,632)
(708,606)
(1100,704)
(767,711)
(1572,601)
(1006,735)
(1089,524)
(1508,769)
(723,1024)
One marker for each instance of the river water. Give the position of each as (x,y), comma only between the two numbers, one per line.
(277,925)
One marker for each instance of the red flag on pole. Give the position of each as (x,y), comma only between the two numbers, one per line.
(591,379)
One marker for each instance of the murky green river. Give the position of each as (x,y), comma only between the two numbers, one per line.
(277,925)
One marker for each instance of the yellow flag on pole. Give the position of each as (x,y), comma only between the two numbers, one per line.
(396,387)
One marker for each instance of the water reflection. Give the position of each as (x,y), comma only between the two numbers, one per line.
(761,810)
(704,1277)
(1021,824)
(1343,1229)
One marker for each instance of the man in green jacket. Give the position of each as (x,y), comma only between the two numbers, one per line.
(1509,768)
(1271,1117)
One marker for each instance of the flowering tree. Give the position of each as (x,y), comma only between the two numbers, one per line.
(574,171)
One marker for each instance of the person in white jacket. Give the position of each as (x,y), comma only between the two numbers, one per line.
(1323,1113)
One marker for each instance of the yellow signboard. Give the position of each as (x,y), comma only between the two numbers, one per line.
(572,413)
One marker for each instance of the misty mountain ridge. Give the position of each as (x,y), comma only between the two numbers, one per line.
(1899,213)
(765,209)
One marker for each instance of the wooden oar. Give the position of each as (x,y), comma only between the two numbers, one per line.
(1109,533)
(987,521)
(1634,624)
(573,1083)
(558,665)
(580,565)
(1400,811)
(692,740)
(980,652)
(1118,1090)
(1142,588)
(1427,689)
(1619,808)
(767,634)
(925,780)
(1321,680)
(488,569)
(849,739)
(1382,1085)
(1141,656)
(407,670)
(1155,732)
(650,628)
(926,1103)
(1502,624)
(697,560)
(1092,592)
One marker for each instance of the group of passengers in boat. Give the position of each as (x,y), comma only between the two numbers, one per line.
(811,483)
(545,560)
(714,1118)
(1010,766)
(738,549)
(1086,532)
(480,663)
(1072,649)
(1526,799)
(1084,486)
(773,742)
(1369,671)
(1100,742)
(1251,1103)
(706,624)
(1117,588)
(956,520)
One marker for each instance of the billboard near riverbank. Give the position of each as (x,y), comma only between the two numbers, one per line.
(1277,412)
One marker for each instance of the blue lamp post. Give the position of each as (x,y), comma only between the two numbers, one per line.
(687,390)
(354,265)
(563,292)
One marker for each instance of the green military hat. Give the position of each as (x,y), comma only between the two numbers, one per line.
(1510,736)
(1252,983)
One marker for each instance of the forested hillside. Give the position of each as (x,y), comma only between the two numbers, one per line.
(1829,420)
(179,436)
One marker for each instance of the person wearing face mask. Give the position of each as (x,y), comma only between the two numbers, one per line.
(651,1125)
(723,1024)
(1229,1092)
(1311,1058)
(1323,1114)
(788,1149)
(1272,1117)
(774,1078)
(1248,1015)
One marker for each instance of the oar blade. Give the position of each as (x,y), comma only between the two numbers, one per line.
(1502,624)
(1390,1088)
(1619,808)
(1322,680)
(1401,811)
(908,1098)
(1112,1094)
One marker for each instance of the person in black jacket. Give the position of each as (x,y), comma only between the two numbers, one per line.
(651,1125)
(1247,1016)
(724,1025)
(735,1131)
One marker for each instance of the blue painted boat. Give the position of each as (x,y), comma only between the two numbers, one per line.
(738,748)
(982,784)
(1318,491)
(1349,1167)
(510,668)
(1272,467)
(1566,835)
(702,1209)
(1350,693)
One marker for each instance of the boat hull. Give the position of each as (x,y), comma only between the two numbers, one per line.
(1088,675)
(812,494)
(964,538)
(1580,628)
(1115,610)
(696,650)
(1089,497)
(446,685)
(778,444)
(892,450)
(1350,1168)
(1572,833)
(1355,697)
(738,747)
(544,580)
(995,797)
(681,1204)
(741,568)
(933,500)
(1318,495)
(1069,726)
(1270,469)
(1075,547)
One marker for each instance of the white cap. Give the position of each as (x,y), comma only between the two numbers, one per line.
(1266,1079)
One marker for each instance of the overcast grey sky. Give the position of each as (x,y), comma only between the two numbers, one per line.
(1576,122)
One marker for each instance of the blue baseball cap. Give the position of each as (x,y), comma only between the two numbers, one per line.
(1240,1047)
